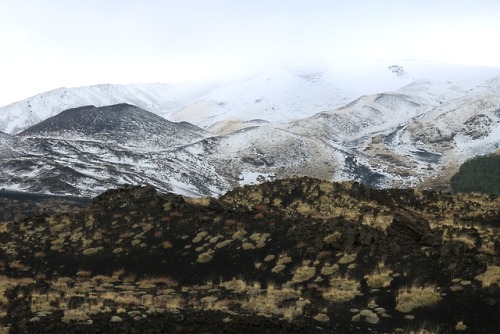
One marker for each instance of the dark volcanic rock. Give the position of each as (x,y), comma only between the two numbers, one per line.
(122,124)
(406,226)
(289,256)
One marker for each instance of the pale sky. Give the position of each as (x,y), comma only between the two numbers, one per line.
(46,44)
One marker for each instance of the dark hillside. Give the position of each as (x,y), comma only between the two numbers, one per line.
(120,123)
(481,175)
(290,256)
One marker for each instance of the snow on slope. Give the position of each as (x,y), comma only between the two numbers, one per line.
(121,124)
(276,94)
(413,122)
(287,93)
(8,145)
(468,125)
(20,115)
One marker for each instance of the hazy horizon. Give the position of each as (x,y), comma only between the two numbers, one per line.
(51,44)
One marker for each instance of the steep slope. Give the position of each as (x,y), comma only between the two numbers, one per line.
(296,256)
(6,142)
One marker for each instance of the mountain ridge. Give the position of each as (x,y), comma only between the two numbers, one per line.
(293,91)
(414,136)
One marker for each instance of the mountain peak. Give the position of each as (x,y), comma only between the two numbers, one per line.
(120,123)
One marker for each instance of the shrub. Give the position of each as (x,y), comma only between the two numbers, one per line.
(341,290)
(414,297)
(490,276)
(480,174)
(204,257)
(379,278)
(302,274)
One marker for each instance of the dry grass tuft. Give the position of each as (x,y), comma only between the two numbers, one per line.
(285,302)
(414,297)
(235,285)
(380,277)
(302,274)
(75,315)
(342,289)
(332,238)
(489,277)
(347,258)
(200,201)
(205,257)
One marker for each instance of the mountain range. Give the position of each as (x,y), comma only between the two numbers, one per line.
(409,124)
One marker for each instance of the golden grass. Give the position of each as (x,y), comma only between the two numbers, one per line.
(4,329)
(200,201)
(328,270)
(380,277)
(235,285)
(302,274)
(205,257)
(332,238)
(460,326)
(488,247)
(414,297)
(489,277)
(269,257)
(159,280)
(347,258)
(466,239)
(213,303)
(285,302)
(199,237)
(78,314)
(321,317)
(239,234)
(341,289)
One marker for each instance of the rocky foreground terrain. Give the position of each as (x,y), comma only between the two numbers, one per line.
(290,256)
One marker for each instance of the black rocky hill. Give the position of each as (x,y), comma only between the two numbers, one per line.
(120,124)
(289,256)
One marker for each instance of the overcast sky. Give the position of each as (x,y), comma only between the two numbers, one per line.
(46,44)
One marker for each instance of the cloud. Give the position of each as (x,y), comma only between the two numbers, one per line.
(47,44)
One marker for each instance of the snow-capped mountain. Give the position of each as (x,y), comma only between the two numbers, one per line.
(415,129)
(20,115)
(274,95)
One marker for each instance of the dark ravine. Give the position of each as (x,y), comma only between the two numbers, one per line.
(295,255)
